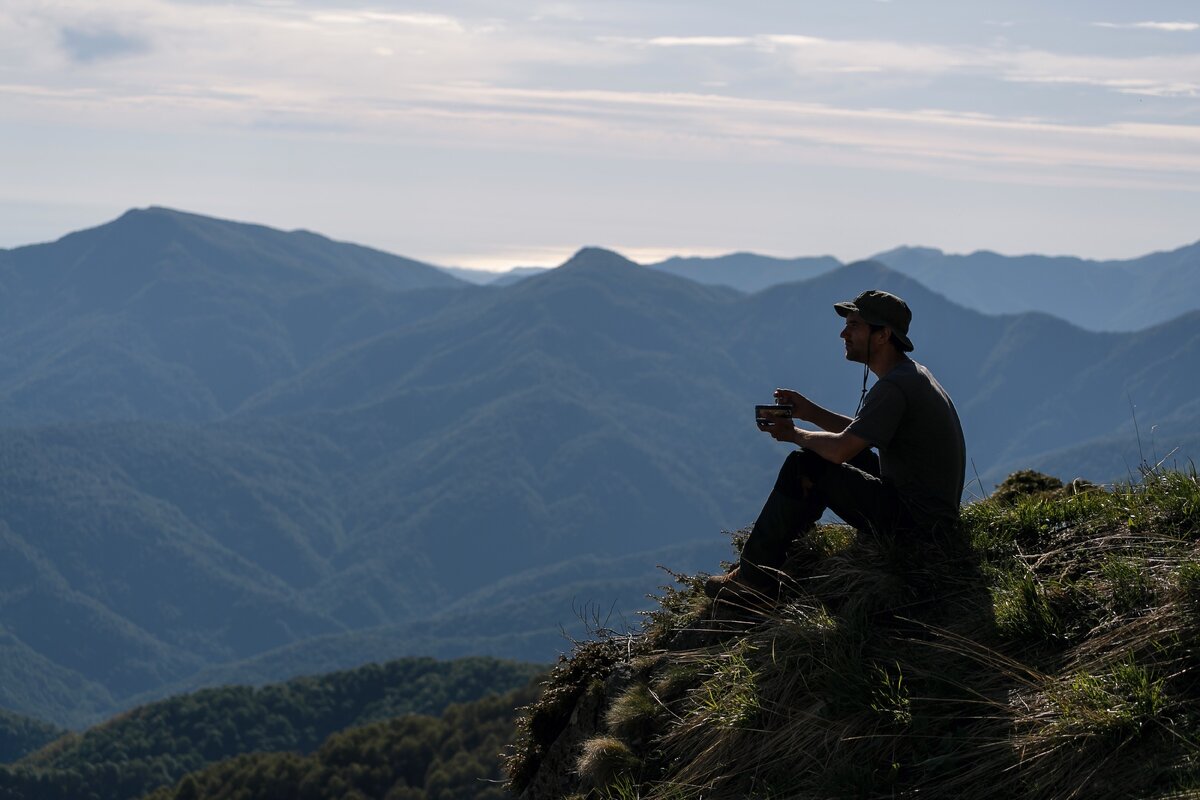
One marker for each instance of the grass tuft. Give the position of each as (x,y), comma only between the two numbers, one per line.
(606,762)
(631,716)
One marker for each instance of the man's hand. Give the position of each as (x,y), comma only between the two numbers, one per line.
(780,428)
(807,411)
(802,407)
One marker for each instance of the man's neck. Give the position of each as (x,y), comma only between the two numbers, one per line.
(885,361)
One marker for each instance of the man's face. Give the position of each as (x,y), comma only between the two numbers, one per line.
(856,333)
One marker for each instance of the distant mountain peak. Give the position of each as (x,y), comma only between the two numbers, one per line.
(597,258)
(869,266)
(908,252)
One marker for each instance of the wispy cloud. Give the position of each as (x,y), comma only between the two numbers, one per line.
(699,126)
(850,55)
(1176,75)
(1149,88)
(699,41)
(1158,76)
(1172,27)
(439,21)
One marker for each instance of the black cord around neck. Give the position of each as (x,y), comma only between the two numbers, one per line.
(862,398)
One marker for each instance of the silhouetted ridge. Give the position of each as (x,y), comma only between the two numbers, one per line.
(746,272)
(154,243)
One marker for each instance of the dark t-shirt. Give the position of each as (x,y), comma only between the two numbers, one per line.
(909,417)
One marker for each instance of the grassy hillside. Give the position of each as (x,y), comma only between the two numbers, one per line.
(157,744)
(1052,655)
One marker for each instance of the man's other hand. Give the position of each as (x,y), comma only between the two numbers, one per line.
(802,407)
(780,428)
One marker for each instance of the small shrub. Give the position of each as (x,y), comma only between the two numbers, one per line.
(1025,483)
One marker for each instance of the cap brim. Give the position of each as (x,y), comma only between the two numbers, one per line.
(845,308)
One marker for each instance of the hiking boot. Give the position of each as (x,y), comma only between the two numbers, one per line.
(737,586)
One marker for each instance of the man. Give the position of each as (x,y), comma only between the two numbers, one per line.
(911,489)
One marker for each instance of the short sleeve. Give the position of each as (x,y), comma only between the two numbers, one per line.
(880,415)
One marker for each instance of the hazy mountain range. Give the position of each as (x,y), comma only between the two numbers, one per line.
(236,453)
(1097,295)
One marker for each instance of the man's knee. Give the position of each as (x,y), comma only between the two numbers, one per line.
(800,473)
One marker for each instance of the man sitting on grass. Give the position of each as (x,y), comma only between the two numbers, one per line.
(911,489)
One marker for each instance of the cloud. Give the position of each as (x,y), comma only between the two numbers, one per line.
(852,55)
(699,41)
(1151,88)
(817,58)
(86,45)
(713,126)
(418,20)
(1171,27)
(1157,76)
(340,72)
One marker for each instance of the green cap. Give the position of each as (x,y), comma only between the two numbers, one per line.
(881,308)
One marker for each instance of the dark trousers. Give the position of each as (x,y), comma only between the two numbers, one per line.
(853,491)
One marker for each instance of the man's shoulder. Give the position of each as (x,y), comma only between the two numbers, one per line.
(917,384)
(908,372)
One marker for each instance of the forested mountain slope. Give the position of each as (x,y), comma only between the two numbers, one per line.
(157,744)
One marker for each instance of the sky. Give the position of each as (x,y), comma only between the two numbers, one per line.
(503,133)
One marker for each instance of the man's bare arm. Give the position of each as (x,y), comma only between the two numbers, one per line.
(836,447)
